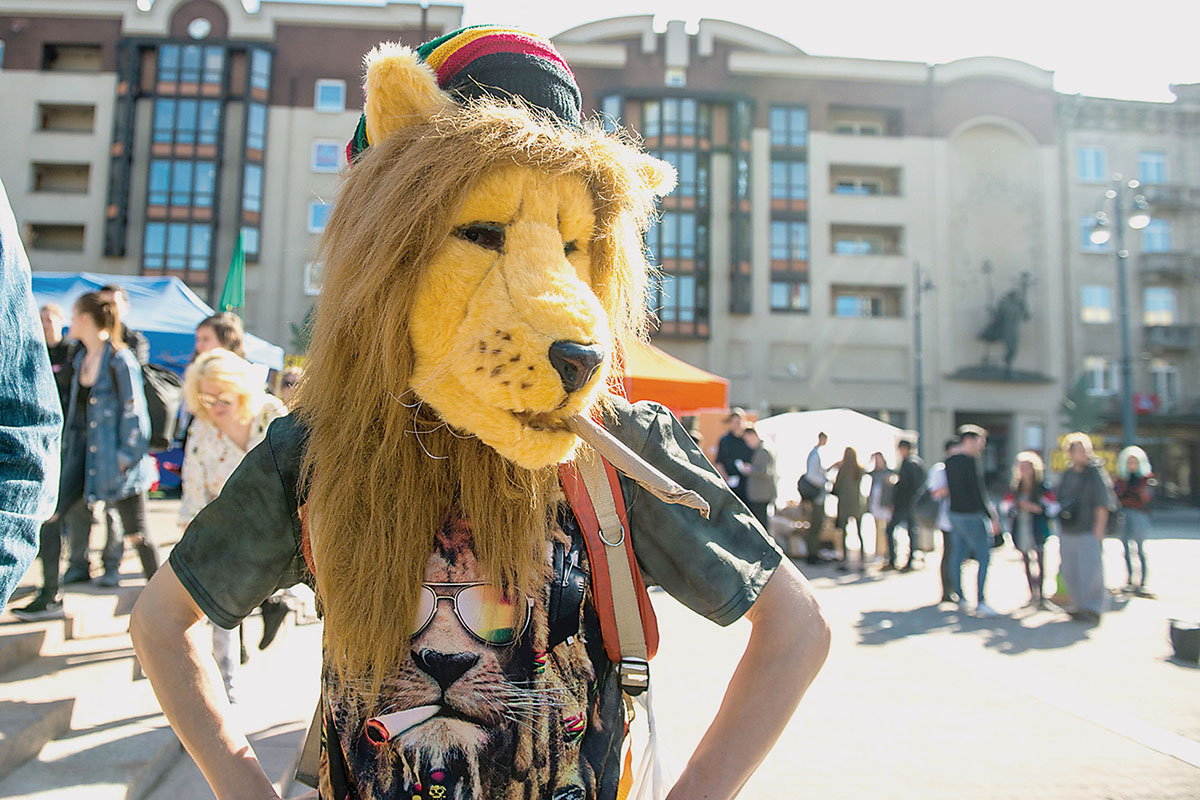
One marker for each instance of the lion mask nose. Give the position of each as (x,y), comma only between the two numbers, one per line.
(575,363)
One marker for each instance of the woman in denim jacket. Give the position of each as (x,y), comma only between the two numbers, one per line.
(106,452)
(118,466)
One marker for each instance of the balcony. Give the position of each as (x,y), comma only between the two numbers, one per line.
(1172,337)
(1169,266)
(1167,195)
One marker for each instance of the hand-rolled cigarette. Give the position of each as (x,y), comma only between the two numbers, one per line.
(632,465)
(382,729)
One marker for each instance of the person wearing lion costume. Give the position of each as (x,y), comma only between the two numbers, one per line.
(484,269)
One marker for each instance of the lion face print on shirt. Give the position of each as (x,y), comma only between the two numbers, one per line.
(478,708)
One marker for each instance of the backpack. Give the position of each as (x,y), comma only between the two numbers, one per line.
(163,390)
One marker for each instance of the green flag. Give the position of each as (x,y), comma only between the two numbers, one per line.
(233,296)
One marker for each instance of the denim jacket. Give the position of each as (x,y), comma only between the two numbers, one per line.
(30,414)
(118,428)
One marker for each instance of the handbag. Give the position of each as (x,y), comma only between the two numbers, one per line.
(808,490)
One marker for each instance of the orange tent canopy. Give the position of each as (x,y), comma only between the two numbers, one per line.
(651,374)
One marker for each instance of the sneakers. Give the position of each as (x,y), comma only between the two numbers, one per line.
(984,610)
(964,608)
(77,575)
(42,607)
(110,579)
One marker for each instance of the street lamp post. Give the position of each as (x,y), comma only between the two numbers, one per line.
(919,288)
(1101,234)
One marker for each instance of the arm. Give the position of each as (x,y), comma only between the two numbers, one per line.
(788,645)
(133,433)
(30,413)
(185,679)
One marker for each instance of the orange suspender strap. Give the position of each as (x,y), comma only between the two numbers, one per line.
(627,622)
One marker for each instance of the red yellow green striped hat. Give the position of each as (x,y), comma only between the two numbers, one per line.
(498,62)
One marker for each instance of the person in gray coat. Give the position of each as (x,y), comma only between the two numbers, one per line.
(761,477)
(1086,498)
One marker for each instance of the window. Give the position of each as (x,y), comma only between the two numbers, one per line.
(857,241)
(789,240)
(1090,164)
(677,236)
(860,186)
(789,180)
(789,126)
(691,170)
(168,63)
(1160,306)
(1101,375)
(1152,166)
(1086,226)
(330,95)
(675,116)
(789,294)
(610,112)
(318,215)
(1,54)
(858,129)
(61,178)
(326,156)
(1164,376)
(260,70)
(256,126)
(1096,305)
(252,189)
(866,301)
(1156,237)
(176,246)
(182,183)
(186,121)
(678,298)
(250,242)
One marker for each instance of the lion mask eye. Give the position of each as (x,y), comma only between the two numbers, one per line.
(488,235)
(570,247)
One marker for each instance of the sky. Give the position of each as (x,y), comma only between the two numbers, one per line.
(1132,49)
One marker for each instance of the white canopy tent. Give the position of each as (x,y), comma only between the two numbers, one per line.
(794,434)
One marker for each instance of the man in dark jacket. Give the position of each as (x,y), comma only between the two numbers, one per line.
(136,341)
(910,479)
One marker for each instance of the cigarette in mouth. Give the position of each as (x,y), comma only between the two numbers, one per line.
(382,729)
(632,465)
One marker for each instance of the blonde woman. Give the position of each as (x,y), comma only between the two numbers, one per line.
(1135,489)
(231,413)
(1028,507)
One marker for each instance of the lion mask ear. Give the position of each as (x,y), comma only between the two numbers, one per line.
(401,90)
(658,175)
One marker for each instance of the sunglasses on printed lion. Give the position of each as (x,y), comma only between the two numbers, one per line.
(483,609)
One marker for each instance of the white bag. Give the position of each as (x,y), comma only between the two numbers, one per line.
(654,770)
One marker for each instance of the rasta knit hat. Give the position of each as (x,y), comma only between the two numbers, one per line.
(501,63)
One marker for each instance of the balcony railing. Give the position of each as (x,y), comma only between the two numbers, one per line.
(1173,337)
(1171,265)
(1168,195)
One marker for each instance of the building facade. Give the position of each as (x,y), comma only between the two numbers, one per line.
(831,213)
(1106,145)
(150,141)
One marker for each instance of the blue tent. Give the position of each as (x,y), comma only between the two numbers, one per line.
(164,309)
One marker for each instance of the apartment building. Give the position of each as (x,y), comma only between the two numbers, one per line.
(821,203)
(816,194)
(148,141)
(1106,145)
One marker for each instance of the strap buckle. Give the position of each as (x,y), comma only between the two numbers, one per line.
(635,675)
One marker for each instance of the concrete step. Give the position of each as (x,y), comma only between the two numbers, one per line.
(22,641)
(26,727)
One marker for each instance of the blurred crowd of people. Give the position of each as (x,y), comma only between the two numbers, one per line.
(107,464)
(951,497)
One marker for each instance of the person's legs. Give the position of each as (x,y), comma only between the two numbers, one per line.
(944,570)
(959,547)
(1033,592)
(812,539)
(132,510)
(982,544)
(50,554)
(1126,535)
(227,651)
(1040,582)
(891,539)
(1137,528)
(862,544)
(910,524)
(114,544)
(1091,575)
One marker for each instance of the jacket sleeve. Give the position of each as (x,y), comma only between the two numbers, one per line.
(715,566)
(133,430)
(30,413)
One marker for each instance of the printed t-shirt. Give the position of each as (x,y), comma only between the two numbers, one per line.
(508,720)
